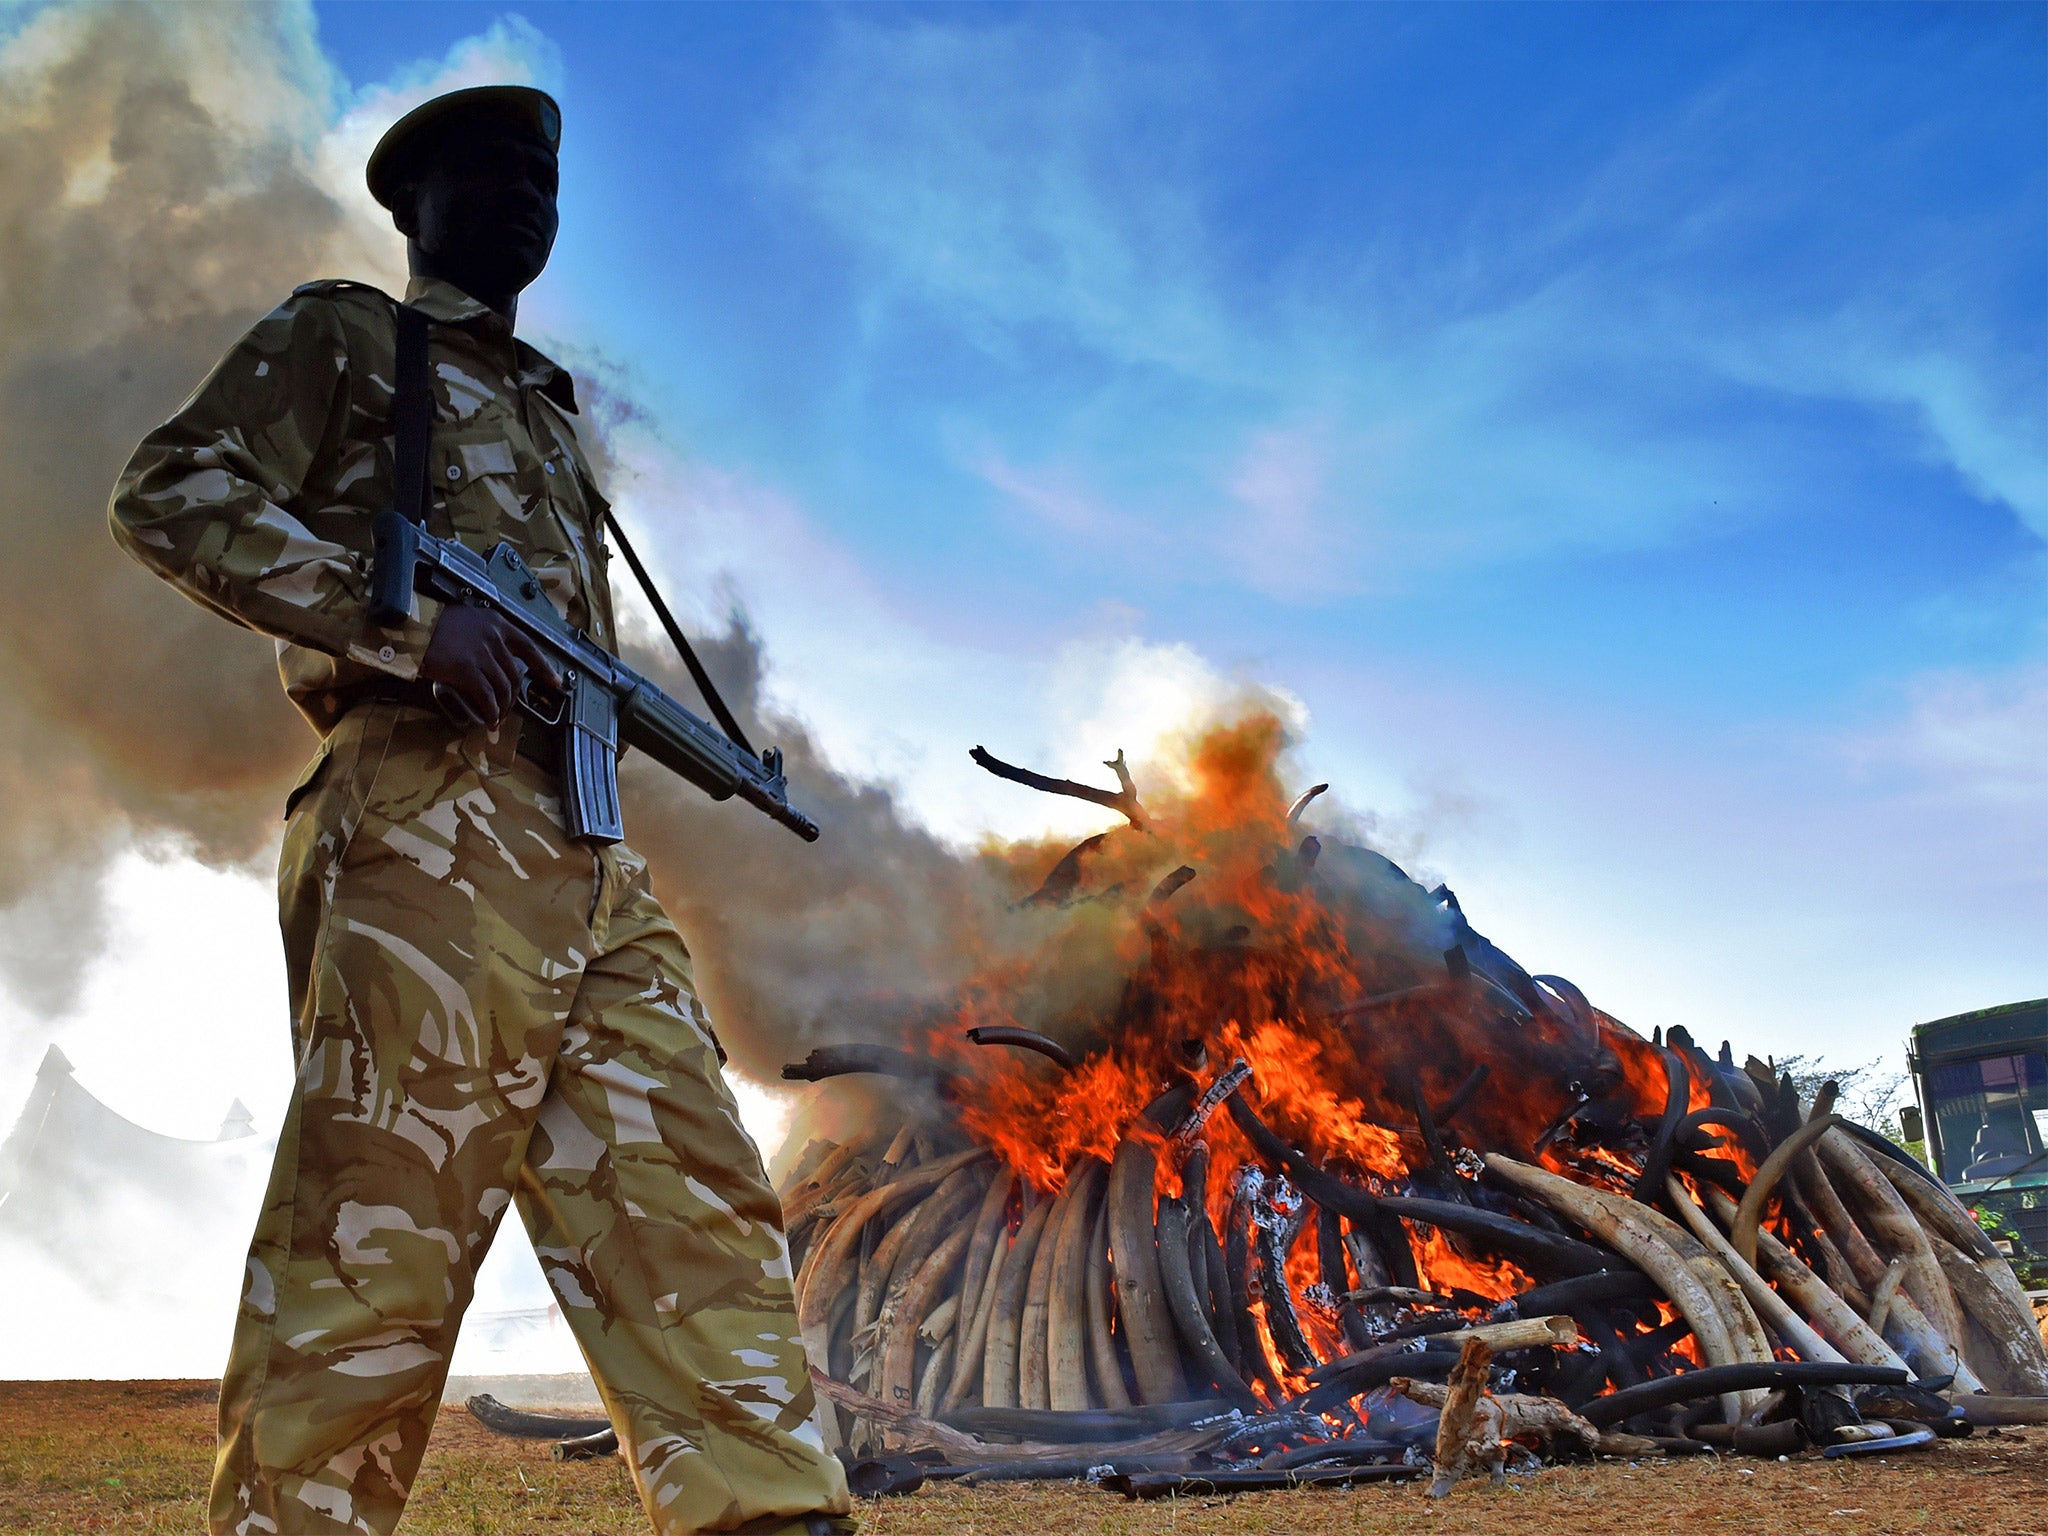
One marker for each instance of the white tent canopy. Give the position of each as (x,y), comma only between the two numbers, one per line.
(122,1249)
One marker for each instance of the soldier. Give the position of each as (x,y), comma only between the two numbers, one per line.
(485,1012)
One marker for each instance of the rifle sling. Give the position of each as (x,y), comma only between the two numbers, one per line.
(698,675)
(412,417)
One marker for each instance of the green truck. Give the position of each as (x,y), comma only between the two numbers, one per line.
(1982,1082)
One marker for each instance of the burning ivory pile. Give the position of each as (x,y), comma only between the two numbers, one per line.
(1263,1167)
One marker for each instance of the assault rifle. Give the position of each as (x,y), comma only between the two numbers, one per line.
(603,706)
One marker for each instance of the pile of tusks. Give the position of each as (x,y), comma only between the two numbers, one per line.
(961,1325)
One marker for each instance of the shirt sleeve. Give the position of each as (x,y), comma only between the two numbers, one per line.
(207,500)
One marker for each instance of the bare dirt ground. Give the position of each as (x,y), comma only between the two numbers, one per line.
(133,1457)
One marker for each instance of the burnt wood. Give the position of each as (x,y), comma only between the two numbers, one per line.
(1649,1186)
(1024,1039)
(1123,799)
(1744,1376)
(518,1424)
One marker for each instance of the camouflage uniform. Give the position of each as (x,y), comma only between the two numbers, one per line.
(485,1012)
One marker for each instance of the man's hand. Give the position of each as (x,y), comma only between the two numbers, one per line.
(485,661)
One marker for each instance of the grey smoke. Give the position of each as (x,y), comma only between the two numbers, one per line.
(145,221)
(138,236)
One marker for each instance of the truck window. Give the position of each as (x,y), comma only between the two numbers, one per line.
(1993,1113)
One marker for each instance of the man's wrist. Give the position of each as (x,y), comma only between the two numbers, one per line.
(399,651)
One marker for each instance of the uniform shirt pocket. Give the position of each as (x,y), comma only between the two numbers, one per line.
(475,476)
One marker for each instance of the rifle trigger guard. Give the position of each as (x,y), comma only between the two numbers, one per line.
(531,702)
(456,707)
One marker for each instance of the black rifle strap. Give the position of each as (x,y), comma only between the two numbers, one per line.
(412,413)
(412,417)
(698,675)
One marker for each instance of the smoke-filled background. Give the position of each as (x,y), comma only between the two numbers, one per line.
(125,155)
(944,349)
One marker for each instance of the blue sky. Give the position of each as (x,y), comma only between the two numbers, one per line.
(1625,427)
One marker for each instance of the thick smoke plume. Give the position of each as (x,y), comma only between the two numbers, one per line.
(162,185)
(799,944)
(156,195)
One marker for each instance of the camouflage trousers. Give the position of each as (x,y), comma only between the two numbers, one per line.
(487,1014)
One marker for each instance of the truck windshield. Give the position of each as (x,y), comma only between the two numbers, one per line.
(1992,1113)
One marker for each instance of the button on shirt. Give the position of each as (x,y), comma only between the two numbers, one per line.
(256,498)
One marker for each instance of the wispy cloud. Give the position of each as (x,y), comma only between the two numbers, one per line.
(1605,369)
(992,171)
(1972,741)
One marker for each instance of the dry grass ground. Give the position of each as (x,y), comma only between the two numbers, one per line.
(132,1457)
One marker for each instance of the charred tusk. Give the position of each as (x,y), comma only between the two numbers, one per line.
(1283,1322)
(1227,1083)
(1102,1355)
(888,1060)
(964,1450)
(999,1354)
(1066,1313)
(1336,1277)
(1517,1240)
(1237,1260)
(1770,1306)
(1749,1375)
(1747,1215)
(518,1424)
(1677,1099)
(1205,1253)
(1092,1427)
(1024,1039)
(1178,1279)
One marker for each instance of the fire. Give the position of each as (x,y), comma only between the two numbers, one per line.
(1217,932)
(1446,1270)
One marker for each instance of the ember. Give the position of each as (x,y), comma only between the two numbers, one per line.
(1265,1159)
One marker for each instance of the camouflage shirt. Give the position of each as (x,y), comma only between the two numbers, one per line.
(255,499)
